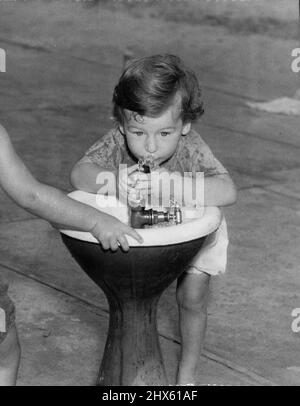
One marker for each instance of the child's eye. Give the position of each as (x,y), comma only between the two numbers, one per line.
(164,133)
(138,133)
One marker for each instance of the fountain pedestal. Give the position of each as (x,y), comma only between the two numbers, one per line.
(133,283)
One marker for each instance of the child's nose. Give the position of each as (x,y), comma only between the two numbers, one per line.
(151,144)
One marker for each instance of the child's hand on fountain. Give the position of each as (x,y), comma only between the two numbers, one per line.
(54,205)
(111,232)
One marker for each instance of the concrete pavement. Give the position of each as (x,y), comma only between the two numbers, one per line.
(62,65)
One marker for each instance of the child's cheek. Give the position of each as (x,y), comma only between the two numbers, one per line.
(137,144)
(130,142)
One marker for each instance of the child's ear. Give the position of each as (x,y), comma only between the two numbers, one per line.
(186,128)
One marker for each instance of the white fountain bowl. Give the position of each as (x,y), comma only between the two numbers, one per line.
(196,223)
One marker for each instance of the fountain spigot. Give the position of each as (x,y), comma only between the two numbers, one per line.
(176,216)
(141,217)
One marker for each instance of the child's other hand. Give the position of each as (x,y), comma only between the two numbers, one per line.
(152,185)
(111,233)
(129,178)
(125,180)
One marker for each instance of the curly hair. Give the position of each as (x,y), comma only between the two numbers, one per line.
(148,86)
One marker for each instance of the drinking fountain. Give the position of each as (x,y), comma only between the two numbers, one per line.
(133,283)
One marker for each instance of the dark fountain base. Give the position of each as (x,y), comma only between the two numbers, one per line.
(133,283)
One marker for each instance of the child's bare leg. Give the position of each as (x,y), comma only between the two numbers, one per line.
(192,298)
(9,358)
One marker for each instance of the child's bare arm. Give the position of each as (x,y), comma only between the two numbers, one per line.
(219,190)
(216,190)
(53,205)
(84,177)
(64,212)
(15,178)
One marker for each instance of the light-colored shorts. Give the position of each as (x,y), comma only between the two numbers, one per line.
(212,257)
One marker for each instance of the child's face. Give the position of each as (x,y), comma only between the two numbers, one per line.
(155,137)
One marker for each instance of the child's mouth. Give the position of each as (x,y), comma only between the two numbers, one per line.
(150,161)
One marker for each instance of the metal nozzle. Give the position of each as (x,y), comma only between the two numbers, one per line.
(176,216)
(141,217)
